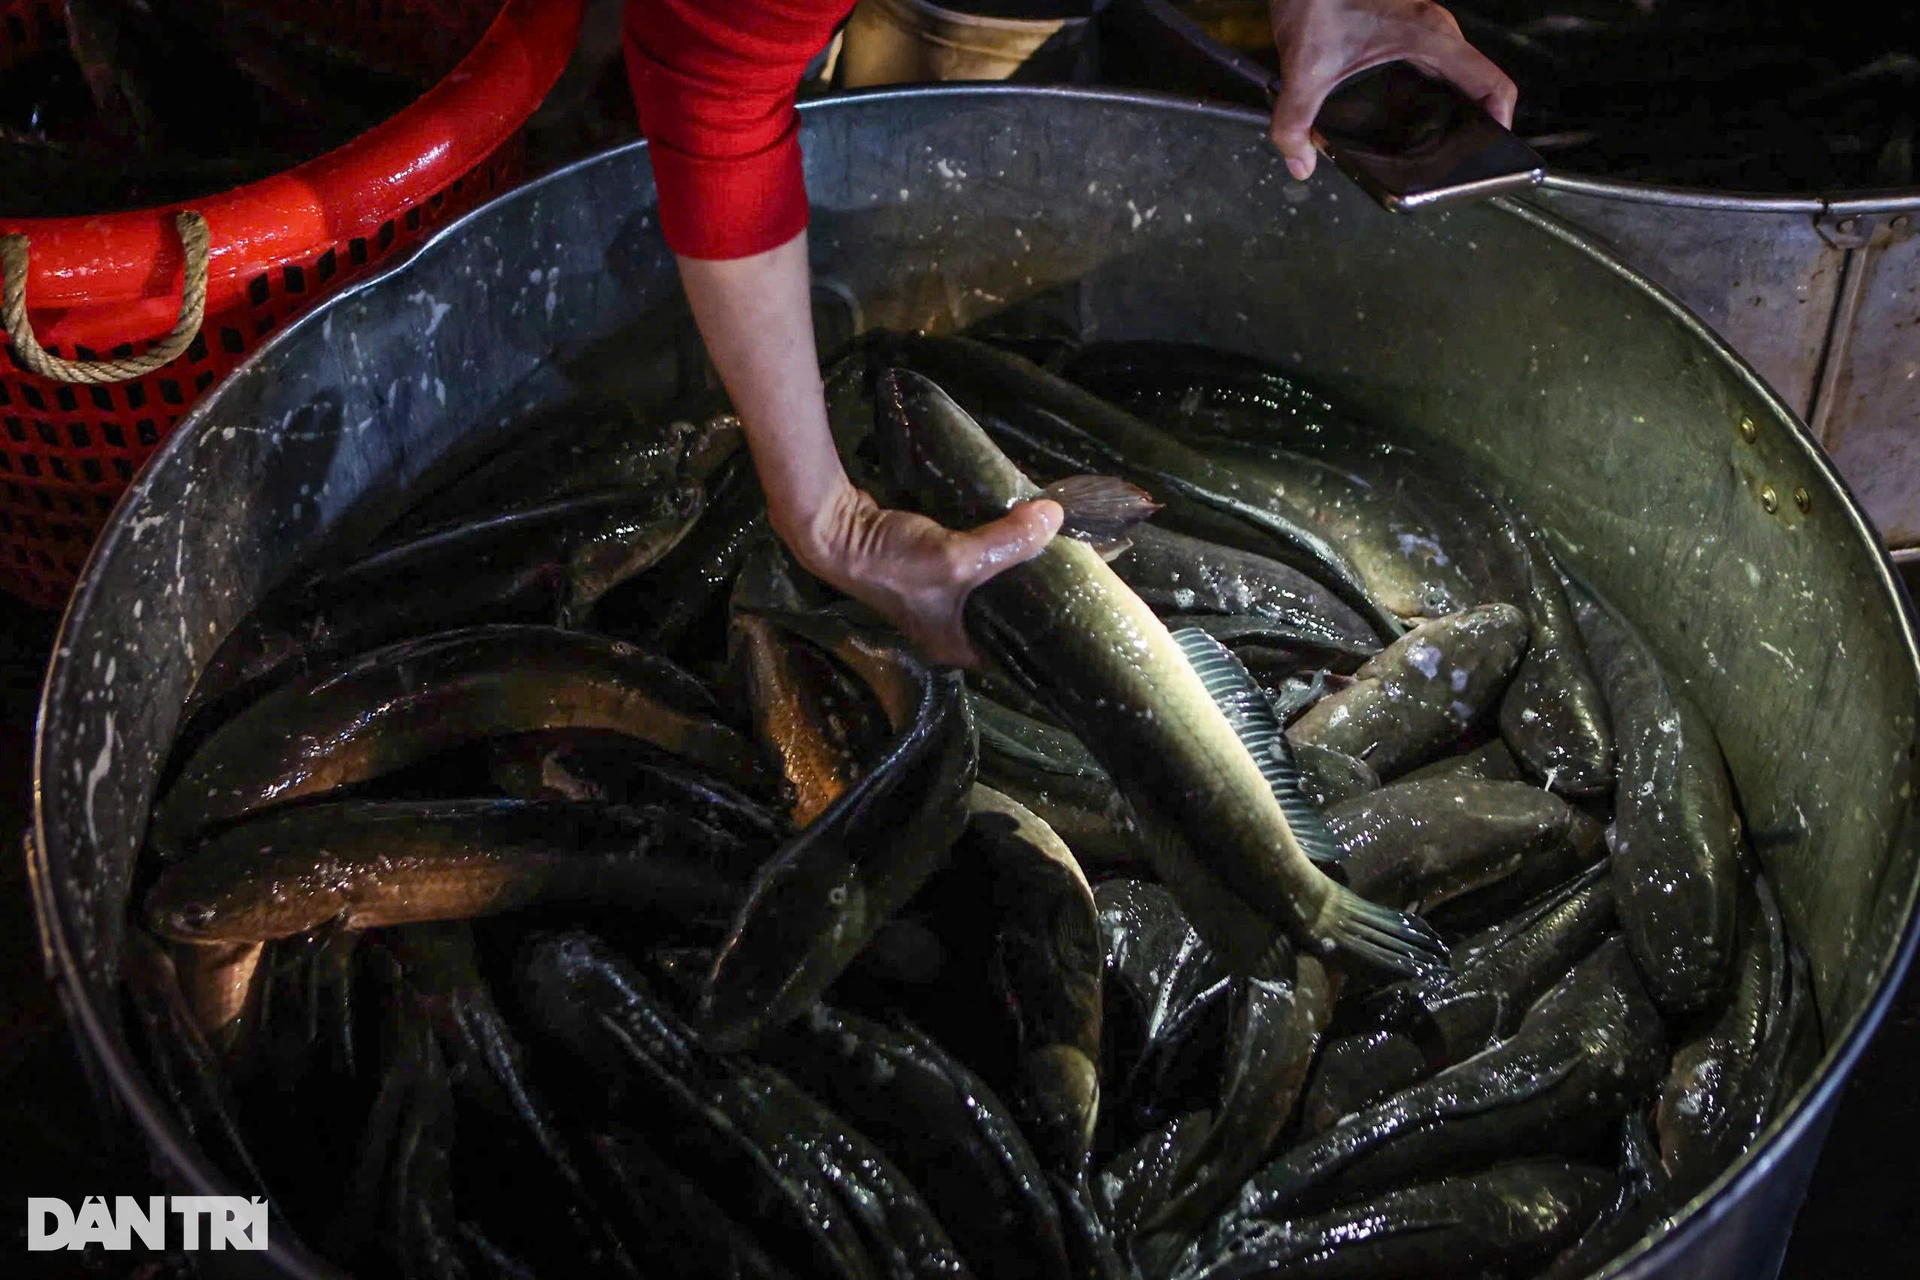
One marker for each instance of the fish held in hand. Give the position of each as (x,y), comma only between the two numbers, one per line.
(1114,675)
(1422,693)
(1054,428)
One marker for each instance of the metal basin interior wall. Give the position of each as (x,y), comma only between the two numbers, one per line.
(1820,295)
(1609,412)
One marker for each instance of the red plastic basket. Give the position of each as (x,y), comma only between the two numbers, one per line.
(109,286)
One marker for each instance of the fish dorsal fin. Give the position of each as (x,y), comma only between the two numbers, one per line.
(1247,709)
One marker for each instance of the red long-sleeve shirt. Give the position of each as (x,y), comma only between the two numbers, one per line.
(714,84)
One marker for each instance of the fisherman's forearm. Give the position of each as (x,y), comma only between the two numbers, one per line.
(756,316)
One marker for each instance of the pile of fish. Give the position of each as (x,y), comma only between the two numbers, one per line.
(138,102)
(1311,880)
(1786,98)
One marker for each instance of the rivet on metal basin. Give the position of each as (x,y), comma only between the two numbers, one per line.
(1748,431)
(1902,222)
(1769,499)
(1847,225)
(1802,499)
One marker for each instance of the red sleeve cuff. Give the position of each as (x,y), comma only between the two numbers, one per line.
(713,84)
(733,207)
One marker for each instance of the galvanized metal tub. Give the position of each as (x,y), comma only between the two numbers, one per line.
(1679,482)
(1820,293)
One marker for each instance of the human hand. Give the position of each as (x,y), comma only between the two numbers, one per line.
(1324,42)
(915,572)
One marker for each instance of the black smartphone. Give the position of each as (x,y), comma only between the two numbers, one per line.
(1413,142)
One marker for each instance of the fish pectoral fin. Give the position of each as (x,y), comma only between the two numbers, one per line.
(1100,509)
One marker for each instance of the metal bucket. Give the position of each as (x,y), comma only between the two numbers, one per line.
(1820,295)
(917,42)
(1681,484)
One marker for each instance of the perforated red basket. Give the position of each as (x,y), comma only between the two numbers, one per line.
(109,286)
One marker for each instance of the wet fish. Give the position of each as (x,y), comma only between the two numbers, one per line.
(1492,761)
(1427,1025)
(1415,519)
(1554,715)
(1200,383)
(1419,844)
(1355,1071)
(221,984)
(1175,573)
(1499,973)
(611,768)
(1590,1049)
(1635,1208)
(814,904)
(1426,690)
(677,1219)
(576,449)
(1500,1222)
(487,1066)
(1721,1084)
(370,864)
(661,609)
(1160,964)
(1024,740)
(1092,1251)
(1048,957)
(941,1124)
(1050,772)
(1275,1029)
(182,1064)
(785,681)
(1137,1181)
(1053,428)
(1275,647)
(544,565)
(1113,674)
(1675,836)
(1090,815)
(305,1027)
(1329,777)
(398,705)
(855,1210)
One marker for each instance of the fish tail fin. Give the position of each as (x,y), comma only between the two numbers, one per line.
(1100,509)
(1379,938)
(1248,709)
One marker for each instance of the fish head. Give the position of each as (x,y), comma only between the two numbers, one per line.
(935,452)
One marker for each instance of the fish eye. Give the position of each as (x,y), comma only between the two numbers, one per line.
(195,915)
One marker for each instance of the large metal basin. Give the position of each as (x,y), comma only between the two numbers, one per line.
(1682,485)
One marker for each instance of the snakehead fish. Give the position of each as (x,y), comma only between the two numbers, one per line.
(1113,674)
